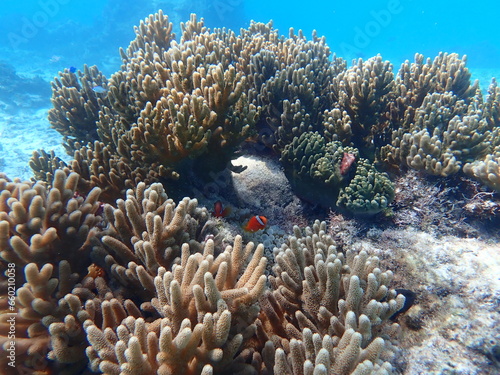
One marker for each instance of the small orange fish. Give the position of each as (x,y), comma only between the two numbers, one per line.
(255,224)
(220,211)
(95,271)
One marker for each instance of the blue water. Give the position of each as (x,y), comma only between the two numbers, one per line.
(48,35)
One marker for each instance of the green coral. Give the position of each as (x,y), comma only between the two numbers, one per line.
(368,192)
(313,167)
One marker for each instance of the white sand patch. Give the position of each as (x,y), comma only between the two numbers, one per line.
(20,135)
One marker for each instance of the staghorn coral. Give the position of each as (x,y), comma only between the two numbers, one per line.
(327,308)
(335,176)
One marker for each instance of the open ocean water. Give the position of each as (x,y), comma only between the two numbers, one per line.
(39,38)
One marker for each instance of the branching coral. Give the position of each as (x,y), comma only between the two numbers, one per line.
(207,306)
(171,103)
(361,96)
(440,120)
(77,99)
(445,133)
(178,108)
(327,308)
(162,295)
(46,234)
(169,298)
(487,170)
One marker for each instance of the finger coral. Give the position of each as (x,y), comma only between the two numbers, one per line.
(207,306)
(440,120)
(119,277)
(46,234)
(361,97)
(165,296)
(170,104)
(77,102)
(327,309)
(146,231)
(184,107)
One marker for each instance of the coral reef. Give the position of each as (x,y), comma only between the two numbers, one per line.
(173,107)
(164,295)
(76,101)
(440,120)
(179,110)
(335,176)
(487,170)
(327,309)
(46,235)
(361,98)
(207,307)
(454,325)
(120,278)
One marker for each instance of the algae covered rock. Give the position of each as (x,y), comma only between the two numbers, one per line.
(335,176)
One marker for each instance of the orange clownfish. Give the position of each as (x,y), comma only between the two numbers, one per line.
(255,223)
(220,211)
(95,271)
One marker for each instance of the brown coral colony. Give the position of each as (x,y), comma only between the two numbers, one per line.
(117,278)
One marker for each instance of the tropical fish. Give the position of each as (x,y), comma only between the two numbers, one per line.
(95,271)
(410,298)
(220,211)
(72,69)
(347,160)
(255,224)
(99,90)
